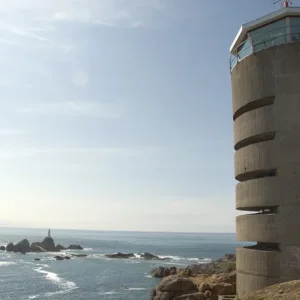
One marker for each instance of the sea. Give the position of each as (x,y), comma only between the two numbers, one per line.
(97,277)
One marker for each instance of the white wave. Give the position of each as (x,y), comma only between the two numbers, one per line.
(179,258)
(33,296)
(6,263)
(109,293)
(66,285)
(136,289)
(87,249)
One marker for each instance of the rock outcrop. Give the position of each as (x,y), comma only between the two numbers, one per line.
(197,282)
(2,248)
(10,247)
(173,287)
(47,245)
(120,255)
(22,247)
(149,256)
(59,247)
(225,264)
(58,257)
(75,247)
(144,255)
(78,255)
(161,272)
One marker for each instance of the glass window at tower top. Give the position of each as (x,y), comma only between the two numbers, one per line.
(295,28)
(270,35)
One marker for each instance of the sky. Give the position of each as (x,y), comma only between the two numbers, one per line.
(117,114)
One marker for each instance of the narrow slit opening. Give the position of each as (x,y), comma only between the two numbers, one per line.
(256,174)
(260,210)
(262,137)
(253,105)
(262,246)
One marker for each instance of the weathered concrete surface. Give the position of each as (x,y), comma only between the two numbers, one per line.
(272,73)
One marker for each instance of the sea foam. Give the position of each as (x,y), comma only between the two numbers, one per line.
(64,284)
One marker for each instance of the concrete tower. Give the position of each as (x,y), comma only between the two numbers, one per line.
(265,72)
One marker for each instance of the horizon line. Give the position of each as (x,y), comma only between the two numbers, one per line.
(110,230)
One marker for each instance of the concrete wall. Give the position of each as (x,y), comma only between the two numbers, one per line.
(266,113)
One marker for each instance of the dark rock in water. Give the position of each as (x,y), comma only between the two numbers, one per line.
(57,257)
(37,259)
(60,247)
(67,257)
(2,248)
(149,256)
(78,255)
(48,244)
(22,247)
(10,247)
(120,255)
(75,247)
(160,272)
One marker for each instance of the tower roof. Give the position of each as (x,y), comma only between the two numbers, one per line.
(276,15)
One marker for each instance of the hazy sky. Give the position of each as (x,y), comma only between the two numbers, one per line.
(116,114)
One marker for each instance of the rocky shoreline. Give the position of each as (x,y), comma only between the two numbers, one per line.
(197,282)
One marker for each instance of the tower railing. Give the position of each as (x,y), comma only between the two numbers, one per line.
(291,35)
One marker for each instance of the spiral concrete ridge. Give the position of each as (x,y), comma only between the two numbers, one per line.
(266,113)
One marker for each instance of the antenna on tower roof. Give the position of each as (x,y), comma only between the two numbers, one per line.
(284,3)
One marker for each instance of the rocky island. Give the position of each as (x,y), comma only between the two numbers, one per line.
(47,245)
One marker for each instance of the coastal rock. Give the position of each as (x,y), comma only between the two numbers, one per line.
(75,247)
(206,281)
(78,255)
(57,257)
(194,296)
(59,247)
(223,289)
(120,255)
(37,247)
(230,256)
(149,256)
(160,272)
(37,259)
(10,247)
(225,264)
(48,244)
(2,248)
(67,257)
(203,287)
(22,247)
(208,294)
(152,294)
(173,271)
(177,284)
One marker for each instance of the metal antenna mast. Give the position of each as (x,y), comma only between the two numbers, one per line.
(284,3)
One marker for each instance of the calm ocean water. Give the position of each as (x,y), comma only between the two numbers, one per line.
(96,277)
